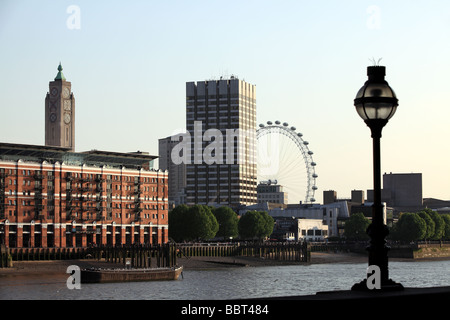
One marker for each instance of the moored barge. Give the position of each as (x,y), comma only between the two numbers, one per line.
(94,275)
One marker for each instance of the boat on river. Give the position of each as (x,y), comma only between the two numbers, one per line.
(100,275)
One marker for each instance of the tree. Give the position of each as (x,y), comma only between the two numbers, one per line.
(248,225)
(356,226)
(446,218)
(178,219)
(202,224)
(410,227)
(429,234)
(268,224)
(255,224)
(228,222)
(439,225)
(192,223)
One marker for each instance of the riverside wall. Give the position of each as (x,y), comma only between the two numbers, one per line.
(161,255)
(423,250)
(420,251)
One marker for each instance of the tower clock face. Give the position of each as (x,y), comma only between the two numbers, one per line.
(66,92)
(67,118)
(54,91)
(53,117)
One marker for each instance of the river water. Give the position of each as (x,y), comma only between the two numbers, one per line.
(226,283)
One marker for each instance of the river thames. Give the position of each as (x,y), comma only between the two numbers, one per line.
(225,283)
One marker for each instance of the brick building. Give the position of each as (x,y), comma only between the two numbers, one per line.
(76,199)
(52,196)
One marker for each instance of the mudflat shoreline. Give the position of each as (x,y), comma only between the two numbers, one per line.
(192,263)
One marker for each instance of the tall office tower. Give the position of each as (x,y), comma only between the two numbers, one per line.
(221,121)
(177,172)
(60,113)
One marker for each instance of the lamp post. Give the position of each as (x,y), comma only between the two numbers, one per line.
(376,103)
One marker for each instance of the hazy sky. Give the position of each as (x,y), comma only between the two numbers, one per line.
(128,62)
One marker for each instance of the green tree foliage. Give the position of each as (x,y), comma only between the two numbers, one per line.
(446,218)
(424,214)
(255,224)
(356,226)
(228,222)
(439,225)
(203,224)
(192,223)
(268,224)
(178,219)
(410,227)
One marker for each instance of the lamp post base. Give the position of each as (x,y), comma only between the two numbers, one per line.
(388,285)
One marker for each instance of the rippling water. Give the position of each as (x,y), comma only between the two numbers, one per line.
(227,283)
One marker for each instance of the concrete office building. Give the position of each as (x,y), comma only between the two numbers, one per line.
(401,191)
(177,172)
(221,120)
(273,193)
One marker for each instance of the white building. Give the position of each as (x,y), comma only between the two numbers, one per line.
(329,214)
(312,230)
(299,229)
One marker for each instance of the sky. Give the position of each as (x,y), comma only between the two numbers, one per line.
(128,62)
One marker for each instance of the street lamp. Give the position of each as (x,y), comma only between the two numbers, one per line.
(376,103)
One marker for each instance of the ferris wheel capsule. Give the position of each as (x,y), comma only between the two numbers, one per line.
(277,122)
(285,124)
(261,125)
(269,123)
(293,128)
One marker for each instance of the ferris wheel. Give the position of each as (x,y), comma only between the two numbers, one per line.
(285,159)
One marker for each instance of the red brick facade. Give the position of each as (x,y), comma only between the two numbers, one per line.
(57,205)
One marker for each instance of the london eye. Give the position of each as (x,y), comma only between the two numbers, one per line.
(284,158)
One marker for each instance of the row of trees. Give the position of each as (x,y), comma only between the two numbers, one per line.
(411,226)
(200,222)
(423,225)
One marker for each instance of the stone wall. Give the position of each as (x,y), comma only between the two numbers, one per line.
(421,251)
(432,252)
